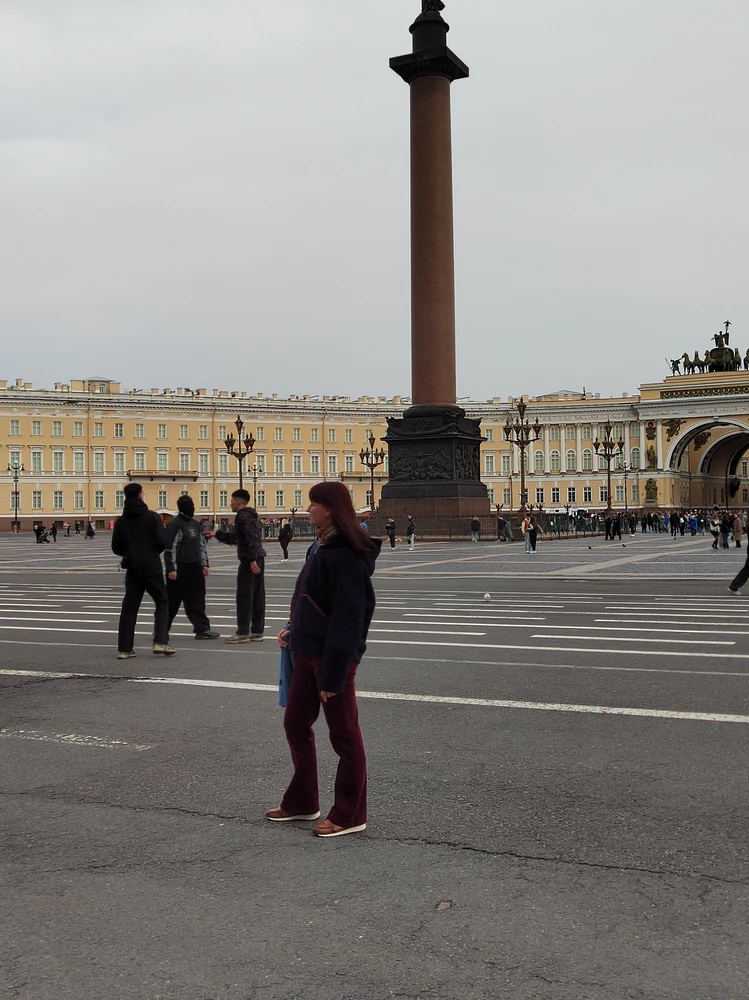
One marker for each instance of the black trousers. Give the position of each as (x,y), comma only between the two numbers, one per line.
(188,589)
(741,577)
(391,536)
(250,599)
(284,548)
(135,587)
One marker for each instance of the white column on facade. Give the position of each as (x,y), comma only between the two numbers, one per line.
(626,443)
(659,443)
(643,447)
(563,449)
(579,445)
(547,449)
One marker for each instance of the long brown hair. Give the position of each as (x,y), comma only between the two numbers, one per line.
(338,499)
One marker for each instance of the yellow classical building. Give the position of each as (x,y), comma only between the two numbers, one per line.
(76,445)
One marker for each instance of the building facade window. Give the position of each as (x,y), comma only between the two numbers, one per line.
(349,436)
(79,460)
(99,461)
(99,499)
(588,460)
(489,434)
(260,463)
(348,463)
(331,435)
(184,461)
(36,461)
(161,431)
(260,499)
(78,500)
(297,498)
(571,494)
(555,461)
(119,499)
(58,461)
(204,499)
(184,432)
(332,465)
(571,461)
(14,428)
(260,434)
(36,500)
(162,498)
(203,463)
(570,432)
(119,461)
(314,465)
(601,463)
(489,464)
(603,494)
(296,434)
(506,463)
(222,435)
(98,429)
(635,494)
(140,431)
(490,494)
(554,433)
(539,495)
(162,461)
(140,461)
(223,464)
(555,494)
(77,428)
(278,434)
(619,491)
(635,458)
(279,498)
(296,464)
(278,465)
(314,435)
(506,495)
(634,431)
(538,461)
(223,498)
(203,432)
(57,428)
(119,430)
(587,494)
(36,428)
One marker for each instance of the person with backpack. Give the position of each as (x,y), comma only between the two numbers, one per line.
(186,562)
(285,535)
(139,539)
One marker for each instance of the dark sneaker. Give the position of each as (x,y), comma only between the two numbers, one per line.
(256,636)
(126,656)
(165,648)
(209,634)
(237,638)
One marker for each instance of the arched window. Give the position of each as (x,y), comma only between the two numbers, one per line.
(635,458)
(601,463)
(539,461)
(555,461)
(587,460)
(571,461)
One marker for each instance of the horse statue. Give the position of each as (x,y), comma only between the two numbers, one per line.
(737,359)
(688,364)
(697,362)
(746,361)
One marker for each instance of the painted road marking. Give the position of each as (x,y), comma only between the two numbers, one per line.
(72,739)
(643,713)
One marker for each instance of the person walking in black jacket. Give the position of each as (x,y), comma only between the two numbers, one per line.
(139,539)
(331,612)
(284,537)
(186,561)
(247,536)
(390,530)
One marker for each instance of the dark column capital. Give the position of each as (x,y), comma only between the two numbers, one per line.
(430,62)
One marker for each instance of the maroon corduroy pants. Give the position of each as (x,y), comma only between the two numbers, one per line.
(342,717)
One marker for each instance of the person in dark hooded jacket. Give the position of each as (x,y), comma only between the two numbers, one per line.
(186,563)
(139,539)
(331,611)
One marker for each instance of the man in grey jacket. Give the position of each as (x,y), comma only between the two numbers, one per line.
(186,562)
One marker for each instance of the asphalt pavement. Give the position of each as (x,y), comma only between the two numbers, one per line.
(558,786)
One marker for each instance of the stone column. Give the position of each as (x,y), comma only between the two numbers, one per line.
(434,448)
(659,443)
(643,448)
(579,445)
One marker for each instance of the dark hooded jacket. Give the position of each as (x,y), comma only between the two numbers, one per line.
(247,535)
(185,544)
(332,608)
(139,538)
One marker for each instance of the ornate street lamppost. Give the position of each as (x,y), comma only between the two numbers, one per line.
(521,432)
(372,459)
(15,468)
(244,446)
(607,449)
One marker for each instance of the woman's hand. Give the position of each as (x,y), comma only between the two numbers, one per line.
(282,636)
(326,695)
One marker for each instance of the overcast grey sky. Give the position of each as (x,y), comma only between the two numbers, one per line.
(215,192)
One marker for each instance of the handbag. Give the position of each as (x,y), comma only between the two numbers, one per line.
(286,669)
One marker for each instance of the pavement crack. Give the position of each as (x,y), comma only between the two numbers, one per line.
(572,862)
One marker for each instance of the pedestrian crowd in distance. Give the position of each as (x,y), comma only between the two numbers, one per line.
(43,534)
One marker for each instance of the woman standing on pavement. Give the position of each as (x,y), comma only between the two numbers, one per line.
(284,537)
(331,610)
(738,529)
